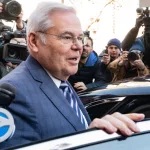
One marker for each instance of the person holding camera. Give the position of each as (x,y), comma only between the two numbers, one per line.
(112,52)
(103,74)
(130,63)
(20,24)
(131,36)
(7,67)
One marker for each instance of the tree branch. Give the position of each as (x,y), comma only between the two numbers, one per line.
(98,17)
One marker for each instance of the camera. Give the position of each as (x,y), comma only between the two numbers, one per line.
(11,9)
(9,52)
(14,53)
(6,34)
(132,56)
(106,51)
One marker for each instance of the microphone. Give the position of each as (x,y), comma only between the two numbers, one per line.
(7,126)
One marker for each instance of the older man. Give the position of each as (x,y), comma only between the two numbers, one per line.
(45,102)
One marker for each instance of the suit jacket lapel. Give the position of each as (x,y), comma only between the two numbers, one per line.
(53,93)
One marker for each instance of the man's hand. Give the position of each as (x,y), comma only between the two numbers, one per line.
(80,86)
(19,22)
(125,55)
(11,65)
(124,58)
(106,58)
(139,64)
(118,122)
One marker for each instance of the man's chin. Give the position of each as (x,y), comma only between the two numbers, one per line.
(73,71)
(84,56)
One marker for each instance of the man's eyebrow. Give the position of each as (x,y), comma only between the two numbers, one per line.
(68,32)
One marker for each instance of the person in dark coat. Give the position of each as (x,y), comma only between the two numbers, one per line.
(130,63)
(131,36)
(87,68)
(112,52)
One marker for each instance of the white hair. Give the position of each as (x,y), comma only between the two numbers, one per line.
(40,19)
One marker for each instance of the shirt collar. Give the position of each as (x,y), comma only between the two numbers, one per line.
(56,81)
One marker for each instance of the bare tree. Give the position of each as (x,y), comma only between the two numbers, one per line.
(97,19)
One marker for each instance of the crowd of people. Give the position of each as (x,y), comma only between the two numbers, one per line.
(46,105)
(120,60)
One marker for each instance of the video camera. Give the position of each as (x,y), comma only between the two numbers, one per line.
(9,52)
(11,10)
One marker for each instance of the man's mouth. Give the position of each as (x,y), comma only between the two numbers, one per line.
(74,60)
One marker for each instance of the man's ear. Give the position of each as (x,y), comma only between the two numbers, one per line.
(32,42)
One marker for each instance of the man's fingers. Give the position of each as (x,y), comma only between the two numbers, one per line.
(130,124)
(80,86)
(123,123)
(135,116)
(120,124)
(103,124)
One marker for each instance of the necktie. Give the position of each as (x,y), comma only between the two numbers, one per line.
(69,95)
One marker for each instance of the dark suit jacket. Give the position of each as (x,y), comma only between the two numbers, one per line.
(40,110)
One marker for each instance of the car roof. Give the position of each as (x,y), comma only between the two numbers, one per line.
(134,86)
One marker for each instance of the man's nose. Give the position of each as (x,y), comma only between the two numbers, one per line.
(77,45)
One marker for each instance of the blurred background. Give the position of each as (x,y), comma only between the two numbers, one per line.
(105,19)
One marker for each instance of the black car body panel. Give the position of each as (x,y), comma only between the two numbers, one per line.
(95,139)
(123,96)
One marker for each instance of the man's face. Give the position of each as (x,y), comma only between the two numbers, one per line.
(58,57)
(87,48)
(113,51)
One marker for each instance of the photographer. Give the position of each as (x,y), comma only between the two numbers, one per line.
(6,66)
(103,74)
(130,38)
(132,34)
(112,52)
(20,24)
(130,64)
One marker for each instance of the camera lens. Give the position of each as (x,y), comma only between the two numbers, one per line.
(132,56)
(12,54)
(13,8)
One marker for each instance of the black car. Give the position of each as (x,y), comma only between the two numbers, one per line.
(95,139)
(131,95)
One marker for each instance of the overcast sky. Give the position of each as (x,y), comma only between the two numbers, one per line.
(125,17)
(29,6)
